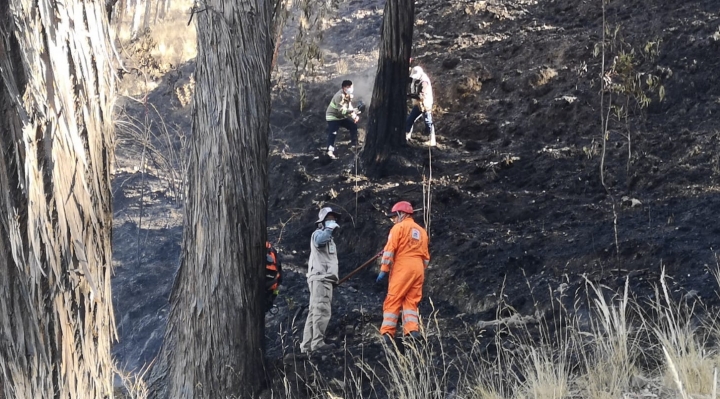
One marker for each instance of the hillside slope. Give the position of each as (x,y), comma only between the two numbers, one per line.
(518,211)
(517,198)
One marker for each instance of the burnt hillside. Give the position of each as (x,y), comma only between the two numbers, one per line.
(517,197)
(518,209)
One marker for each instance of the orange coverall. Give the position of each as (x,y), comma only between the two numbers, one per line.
(405,256)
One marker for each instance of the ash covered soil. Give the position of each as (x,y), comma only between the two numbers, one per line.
(519,215)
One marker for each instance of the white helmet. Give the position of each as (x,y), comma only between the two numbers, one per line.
(416,73)
(324,212)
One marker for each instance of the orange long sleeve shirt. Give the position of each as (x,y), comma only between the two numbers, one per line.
(407,243)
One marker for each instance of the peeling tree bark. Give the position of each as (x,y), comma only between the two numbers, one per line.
(212,346)
(388,109)
(56,99)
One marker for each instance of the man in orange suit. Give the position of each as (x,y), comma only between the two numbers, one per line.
(405,257)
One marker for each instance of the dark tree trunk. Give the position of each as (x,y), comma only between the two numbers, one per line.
(388,109)
(109,5)
(213,342)
(56,105)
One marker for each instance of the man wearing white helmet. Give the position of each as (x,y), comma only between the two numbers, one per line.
(422,99)
(322,274)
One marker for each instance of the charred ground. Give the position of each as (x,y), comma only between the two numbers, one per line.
(518,211)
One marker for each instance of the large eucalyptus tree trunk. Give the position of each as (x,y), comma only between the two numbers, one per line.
(212,346)
(388,109)
(56,99)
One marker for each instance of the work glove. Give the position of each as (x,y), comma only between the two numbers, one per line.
(380,277)
(331,224)
(380,253)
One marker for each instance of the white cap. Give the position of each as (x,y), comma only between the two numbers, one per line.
(324,212)
(416,73)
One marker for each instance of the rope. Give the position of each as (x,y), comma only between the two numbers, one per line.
(427,200)
(146,141)
(356,181)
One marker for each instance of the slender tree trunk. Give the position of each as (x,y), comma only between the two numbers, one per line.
(56,99)
(137,19)
(160,9)
(388,109)
(120,15)
(276,50)
(109,6)
(146,15)
(168,5)
(212,346)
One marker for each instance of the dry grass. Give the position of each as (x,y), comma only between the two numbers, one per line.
(133,384)
(421,372)
(569,354)
(689,348)
(175,38)
(542,77)
(615,346)
(547,376)
(341,67)
(162,149)
(167,45)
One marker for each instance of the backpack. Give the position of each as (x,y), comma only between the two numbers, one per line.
(273,275)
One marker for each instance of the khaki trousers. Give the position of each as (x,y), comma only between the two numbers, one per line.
(318,315)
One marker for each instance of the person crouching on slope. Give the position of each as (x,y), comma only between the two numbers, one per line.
(405,257)
(422,100)
(340,113)
(322,274)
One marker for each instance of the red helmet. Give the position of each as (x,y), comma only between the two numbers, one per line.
(403,206)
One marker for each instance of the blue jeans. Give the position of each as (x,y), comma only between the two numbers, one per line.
(334,126)
(414,114)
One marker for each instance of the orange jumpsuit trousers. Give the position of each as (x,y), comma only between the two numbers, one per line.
(407,253)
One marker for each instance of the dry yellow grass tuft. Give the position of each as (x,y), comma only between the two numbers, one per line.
(542,77)
(176,41)
(690,349)
(168,44)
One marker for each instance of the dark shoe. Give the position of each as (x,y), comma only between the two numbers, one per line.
(324,347)
(294,357)
(388,340)
(392,346)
